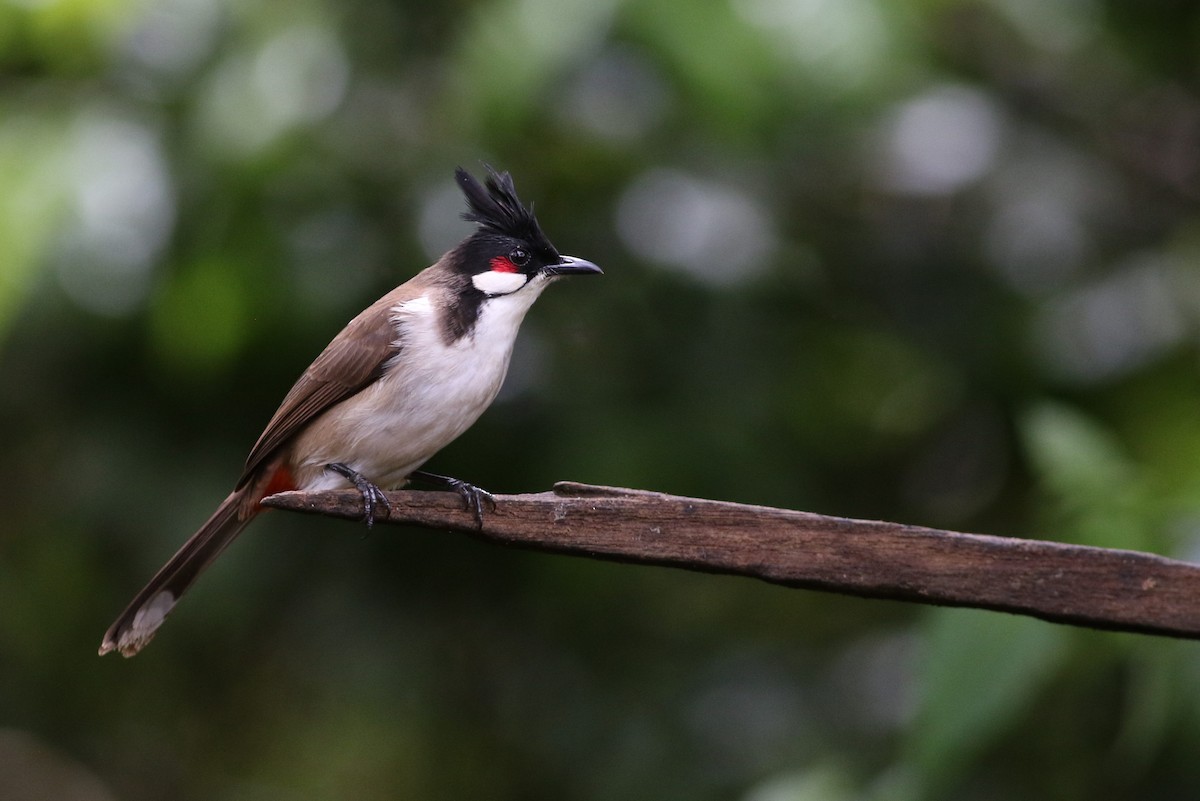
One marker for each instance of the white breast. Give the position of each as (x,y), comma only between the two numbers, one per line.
(428,395)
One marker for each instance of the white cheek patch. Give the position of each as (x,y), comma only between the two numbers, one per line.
(494,282)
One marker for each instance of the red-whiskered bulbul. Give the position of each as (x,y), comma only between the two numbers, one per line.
(401,381)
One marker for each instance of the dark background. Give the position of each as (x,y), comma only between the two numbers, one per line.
(933,262)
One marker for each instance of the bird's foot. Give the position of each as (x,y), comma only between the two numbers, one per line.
(372,495)
(472,495)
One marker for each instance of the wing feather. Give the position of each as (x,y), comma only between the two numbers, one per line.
(354,359)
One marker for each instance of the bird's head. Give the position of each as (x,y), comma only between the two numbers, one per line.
(508,253)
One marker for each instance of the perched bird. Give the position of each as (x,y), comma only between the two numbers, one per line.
(401,381)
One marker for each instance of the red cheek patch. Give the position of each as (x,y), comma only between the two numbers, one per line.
(501,264)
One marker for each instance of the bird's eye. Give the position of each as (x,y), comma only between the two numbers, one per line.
(519,257)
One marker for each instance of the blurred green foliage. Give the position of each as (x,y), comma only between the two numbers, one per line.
(934,262)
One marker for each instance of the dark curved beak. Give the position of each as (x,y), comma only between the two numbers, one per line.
(573,266)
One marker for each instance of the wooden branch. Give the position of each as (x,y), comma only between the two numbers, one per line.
(1095,587)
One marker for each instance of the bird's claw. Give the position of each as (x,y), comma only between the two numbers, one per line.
(472,495)
(372,495)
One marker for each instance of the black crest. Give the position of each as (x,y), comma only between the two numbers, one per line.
(497,209)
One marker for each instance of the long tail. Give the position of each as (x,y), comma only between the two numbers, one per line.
(137,624)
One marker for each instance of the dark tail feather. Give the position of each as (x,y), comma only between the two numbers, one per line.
(137,624)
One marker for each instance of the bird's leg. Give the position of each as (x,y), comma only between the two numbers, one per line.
(371,494)
(472,495)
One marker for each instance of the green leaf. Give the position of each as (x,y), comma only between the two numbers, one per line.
(982,674)
(1100,495)
(506,60)
(826,782)
(200,320)
(33,173)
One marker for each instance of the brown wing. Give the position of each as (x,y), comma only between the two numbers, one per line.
(351,361)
